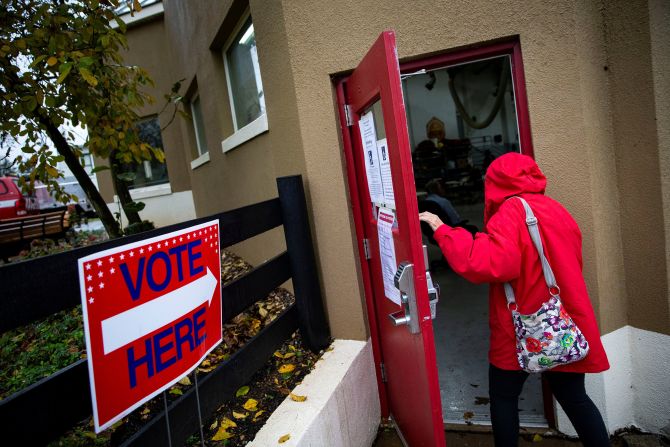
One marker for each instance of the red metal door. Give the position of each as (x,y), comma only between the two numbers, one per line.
(373,93)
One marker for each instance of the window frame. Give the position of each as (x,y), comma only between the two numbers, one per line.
(203,156)
(260,124)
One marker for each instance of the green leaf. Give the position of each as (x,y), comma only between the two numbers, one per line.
(98,169)
(50,101)
(126,176)
(37,60)
(64,71)
(29,103)
(242,391)
(134,207)
(85,61)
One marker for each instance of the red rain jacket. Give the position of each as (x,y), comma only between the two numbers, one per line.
(505,253)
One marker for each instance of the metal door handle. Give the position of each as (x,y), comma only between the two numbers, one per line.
(402,316)
(404,282)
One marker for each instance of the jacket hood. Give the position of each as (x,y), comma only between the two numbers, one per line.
(509,175)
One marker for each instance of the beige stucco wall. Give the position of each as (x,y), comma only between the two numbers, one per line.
(636,146)
(659,21)
(596,74)
(568,101)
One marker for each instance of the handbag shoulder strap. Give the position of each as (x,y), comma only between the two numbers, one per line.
(533,229)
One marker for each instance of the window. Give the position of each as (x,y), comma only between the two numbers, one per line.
(245,88)
(199,126)
(148,172)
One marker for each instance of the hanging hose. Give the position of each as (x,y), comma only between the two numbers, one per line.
(502,86)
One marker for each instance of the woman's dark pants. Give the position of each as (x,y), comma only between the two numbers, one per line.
(568,388)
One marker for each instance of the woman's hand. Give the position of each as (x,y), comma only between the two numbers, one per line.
(431,219)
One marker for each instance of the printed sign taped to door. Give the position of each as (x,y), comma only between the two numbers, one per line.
(385,220)
(372,171)
(385,168)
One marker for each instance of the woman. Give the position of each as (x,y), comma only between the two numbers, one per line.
(505,253)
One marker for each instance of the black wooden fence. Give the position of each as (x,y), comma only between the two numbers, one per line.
(35,289)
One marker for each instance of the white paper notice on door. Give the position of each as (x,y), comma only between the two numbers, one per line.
(385,220)
(385,168)
(369,139)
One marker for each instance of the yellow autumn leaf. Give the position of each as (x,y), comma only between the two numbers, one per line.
(297,398)
(52,61)
(288,355)
(257,415)
(279,355)
(88,77)
(176,391)
(237,415)
(262,312)
(185,381)
(227,423)
(537,438)
(284,438)
(145,411)
(250,405)
(214,424)
(287,368)
(222,434)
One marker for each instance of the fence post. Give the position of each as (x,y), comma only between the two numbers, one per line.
(312,318)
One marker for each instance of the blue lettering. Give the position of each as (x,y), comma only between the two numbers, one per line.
(187,337)
(150,274)
(176,251)
(134,364)
(160,350)
(193,256)
(133,288)
(199,325)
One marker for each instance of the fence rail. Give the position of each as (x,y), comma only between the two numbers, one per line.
(41,287)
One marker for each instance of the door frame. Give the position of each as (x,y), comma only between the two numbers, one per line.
(508,47)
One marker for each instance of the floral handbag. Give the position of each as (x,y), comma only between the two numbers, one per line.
(548,337)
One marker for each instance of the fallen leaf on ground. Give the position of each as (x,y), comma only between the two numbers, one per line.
(251,405)
(237,415)
(185,381)
(537,438)
(468,415)
(222,434)
(257,415)
(297,398)
(145,411)
(176,391)
(242,391)
(214,424)
(288,355)
(284,438)
(206,370)
(286,368)
(227,423)
(330,348)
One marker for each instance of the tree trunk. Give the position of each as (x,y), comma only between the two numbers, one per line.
(122,191)
(98,203)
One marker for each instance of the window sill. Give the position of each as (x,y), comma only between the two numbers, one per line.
(201,160)
(163,189)
(251,130)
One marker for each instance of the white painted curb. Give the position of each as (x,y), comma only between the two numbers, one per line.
(342,406)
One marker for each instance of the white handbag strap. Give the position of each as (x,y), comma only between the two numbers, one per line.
(533,229)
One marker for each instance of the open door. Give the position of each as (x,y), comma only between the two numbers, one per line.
(381,183)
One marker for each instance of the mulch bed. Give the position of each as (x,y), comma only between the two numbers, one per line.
(234,423)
